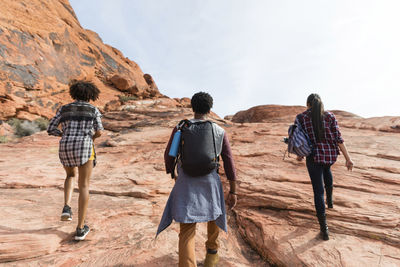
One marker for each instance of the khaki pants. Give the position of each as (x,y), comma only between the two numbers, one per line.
(187,256)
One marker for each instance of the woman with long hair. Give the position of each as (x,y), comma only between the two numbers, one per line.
(81,125)
(323,131)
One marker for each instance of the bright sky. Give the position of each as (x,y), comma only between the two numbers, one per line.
(255,52)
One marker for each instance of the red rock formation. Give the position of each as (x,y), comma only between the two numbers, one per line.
(184,102)
(129,188)
(5,130)
(267,113)
(120,83)
(278,113)
(43,47)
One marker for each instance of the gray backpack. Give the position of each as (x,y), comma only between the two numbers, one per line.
(197,152)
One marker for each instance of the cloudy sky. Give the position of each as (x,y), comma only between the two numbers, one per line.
(255,52)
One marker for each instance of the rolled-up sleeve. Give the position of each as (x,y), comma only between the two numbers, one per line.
(97,124)
(227,158)
(52,129)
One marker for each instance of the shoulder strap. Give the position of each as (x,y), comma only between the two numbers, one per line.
(213,136)
(183,123)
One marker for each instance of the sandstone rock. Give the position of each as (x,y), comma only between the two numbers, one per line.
(149,80)
(184,102)
(134,90)
(113,105)
(120,83)
(5,129)
(43,47)
(24,115)
(16,246)
(268,113)
(384,124)
(127,198)
(274,216)
(7,109)
(345,114)
(228,117)
(110,143)
(128,108)
(18,101)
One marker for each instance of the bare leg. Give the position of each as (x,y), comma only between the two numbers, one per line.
(83,181)
(69,184)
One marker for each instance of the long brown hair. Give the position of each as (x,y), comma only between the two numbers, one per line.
(317,115)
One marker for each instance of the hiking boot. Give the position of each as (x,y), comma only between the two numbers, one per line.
(329,200)
(323,226)
(66,214)
(211,260)
(81,233)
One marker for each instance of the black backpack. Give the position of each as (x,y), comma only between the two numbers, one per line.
(197,151)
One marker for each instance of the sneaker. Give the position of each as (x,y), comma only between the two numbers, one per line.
(81,233)
(66,213)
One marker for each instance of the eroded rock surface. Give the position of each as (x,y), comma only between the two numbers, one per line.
(43,47)
(275,215)
(267,113)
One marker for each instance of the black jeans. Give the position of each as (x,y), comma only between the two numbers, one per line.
(320,175)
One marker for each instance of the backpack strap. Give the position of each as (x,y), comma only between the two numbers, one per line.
(183,123)
(212,131)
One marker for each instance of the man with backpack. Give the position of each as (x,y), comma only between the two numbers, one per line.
(198,195)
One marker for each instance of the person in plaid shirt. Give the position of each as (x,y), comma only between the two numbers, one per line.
(323,131)
(80,124)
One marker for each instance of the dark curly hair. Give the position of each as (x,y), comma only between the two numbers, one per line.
(201,103)
(85,91)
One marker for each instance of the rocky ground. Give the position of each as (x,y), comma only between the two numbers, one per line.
(274,222)
(43,47)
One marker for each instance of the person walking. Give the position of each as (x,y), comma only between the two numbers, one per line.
(197,195)
(323,131)
(81,125)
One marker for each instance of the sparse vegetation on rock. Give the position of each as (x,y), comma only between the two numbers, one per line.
(25,128)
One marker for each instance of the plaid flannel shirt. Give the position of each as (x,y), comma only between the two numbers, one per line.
(79,121)
(326,151)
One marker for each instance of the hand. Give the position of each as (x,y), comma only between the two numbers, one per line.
(349,165)
(299,158)
(232,200)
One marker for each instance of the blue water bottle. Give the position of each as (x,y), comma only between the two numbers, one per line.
(173,151)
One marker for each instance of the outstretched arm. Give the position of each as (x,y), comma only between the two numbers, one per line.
(230,171)
(338,136)
(349,162)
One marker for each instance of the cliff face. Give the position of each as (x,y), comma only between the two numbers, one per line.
(43,47)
